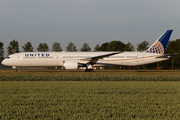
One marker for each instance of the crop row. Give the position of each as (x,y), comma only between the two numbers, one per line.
(94,77)
(89,100)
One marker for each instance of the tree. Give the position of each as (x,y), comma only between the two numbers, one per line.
(104,46)
(85,47)
(1,51)
(112,46)
(71,47)
(116,46)
(97,48)
(43,47)
(142,46)
(56,47)
(173,47)
(129,47)
(13,47)
(27,47)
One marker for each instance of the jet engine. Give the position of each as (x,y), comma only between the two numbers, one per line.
(70,65)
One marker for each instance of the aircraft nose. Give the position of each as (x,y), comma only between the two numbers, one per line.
(3,62)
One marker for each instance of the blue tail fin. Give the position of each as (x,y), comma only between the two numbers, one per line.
(160,44)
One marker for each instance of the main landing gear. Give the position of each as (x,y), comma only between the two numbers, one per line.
(89,68)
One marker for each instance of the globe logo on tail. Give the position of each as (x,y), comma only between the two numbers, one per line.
(160,44)
(157,47)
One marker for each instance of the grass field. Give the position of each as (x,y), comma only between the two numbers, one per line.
(98,95)
(109,72)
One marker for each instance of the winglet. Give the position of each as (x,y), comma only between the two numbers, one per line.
(160,44)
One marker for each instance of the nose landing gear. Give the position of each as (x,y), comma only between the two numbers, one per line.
(14,67)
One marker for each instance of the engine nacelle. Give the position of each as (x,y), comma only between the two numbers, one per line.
(70,65)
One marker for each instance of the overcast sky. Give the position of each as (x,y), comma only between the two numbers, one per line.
(91,21)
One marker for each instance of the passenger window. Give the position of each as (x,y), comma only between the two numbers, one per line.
(7,57)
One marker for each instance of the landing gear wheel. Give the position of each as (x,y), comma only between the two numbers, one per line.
(89,70)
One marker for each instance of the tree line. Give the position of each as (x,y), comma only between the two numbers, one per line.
(116,45)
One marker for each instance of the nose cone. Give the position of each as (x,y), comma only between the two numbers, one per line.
(4,62)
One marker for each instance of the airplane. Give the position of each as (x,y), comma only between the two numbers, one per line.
(74,60)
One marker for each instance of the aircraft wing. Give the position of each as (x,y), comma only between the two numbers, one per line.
(94,59)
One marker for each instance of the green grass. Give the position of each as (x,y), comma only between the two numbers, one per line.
(97,72)
(89,100)
(87,77)
(46,94)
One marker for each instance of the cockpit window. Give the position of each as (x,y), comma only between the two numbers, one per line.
(7,57)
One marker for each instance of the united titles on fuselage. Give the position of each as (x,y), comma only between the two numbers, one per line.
(37,55)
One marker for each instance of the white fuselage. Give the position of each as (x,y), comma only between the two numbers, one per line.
(56,58)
